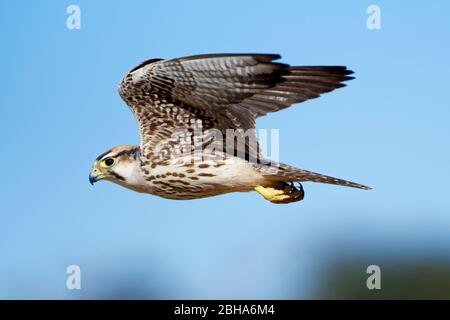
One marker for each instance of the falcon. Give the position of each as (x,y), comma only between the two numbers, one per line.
(187,109)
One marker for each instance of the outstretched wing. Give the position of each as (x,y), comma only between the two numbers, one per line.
(221,91)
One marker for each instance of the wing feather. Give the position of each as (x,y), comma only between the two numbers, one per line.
(226,91)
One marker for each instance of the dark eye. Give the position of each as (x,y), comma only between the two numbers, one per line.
(109,162)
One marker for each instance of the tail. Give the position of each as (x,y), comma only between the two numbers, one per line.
(286,173)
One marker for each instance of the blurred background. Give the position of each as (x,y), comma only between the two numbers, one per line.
(388,129)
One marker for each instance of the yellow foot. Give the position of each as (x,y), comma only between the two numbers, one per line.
(281,193)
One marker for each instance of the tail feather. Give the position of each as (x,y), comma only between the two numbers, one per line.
(286,173)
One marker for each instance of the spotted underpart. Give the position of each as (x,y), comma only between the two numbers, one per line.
(185,107)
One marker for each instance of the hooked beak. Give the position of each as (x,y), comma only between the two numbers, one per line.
(95,176)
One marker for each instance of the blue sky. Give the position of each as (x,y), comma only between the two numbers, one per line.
(60,108)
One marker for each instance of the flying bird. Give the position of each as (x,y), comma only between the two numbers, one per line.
(186,107)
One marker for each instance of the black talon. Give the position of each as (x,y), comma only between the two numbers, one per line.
(292,188)
(301,190)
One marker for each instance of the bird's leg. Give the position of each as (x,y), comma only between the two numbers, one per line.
(281,192)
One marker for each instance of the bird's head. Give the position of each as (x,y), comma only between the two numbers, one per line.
(116,165)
